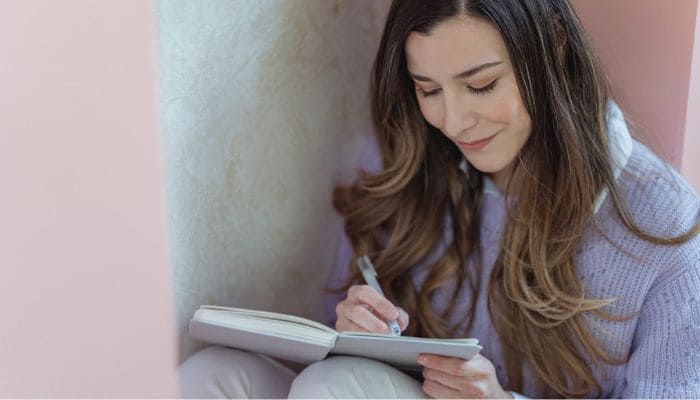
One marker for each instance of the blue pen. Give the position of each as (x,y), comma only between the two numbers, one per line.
(370,276)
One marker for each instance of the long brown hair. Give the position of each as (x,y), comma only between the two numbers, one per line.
(397,215)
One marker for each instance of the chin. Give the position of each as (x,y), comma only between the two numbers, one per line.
(488,166)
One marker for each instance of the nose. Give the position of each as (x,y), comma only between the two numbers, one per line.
(458,118)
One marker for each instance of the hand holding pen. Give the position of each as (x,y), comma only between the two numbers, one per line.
(367,310)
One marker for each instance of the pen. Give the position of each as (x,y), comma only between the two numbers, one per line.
(370,276)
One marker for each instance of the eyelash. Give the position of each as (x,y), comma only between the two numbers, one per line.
(478,92)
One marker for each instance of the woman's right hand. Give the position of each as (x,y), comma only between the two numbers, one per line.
(365,310)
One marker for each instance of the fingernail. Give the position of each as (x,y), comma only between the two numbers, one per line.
(422,359)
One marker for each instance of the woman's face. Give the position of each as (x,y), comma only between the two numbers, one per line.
(466,88)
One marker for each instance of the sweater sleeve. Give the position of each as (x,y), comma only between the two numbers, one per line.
(665,357)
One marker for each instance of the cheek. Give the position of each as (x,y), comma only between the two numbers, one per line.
(520,121)
(505,109)
(432,113)
(504,106)
(509,111)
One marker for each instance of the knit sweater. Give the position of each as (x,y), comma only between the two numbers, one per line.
(659,285)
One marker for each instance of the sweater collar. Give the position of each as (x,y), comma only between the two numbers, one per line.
(620,144)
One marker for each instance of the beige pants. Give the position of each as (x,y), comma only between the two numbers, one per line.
(219,372)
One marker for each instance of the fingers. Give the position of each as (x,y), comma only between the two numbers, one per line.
(436,390)
(363,317)
(440,377)
(474,368)
(366,295)
(349,326)
(439,390)
(471,386)
(475,378)
(365,310)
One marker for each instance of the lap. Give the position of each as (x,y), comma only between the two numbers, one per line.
(354,377)
(221,372)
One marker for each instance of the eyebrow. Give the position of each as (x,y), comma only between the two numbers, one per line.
(461,75)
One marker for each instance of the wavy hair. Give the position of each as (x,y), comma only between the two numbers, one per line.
(397,215)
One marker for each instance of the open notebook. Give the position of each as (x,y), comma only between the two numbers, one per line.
(305,341)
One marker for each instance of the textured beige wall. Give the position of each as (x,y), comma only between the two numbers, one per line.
(264,109)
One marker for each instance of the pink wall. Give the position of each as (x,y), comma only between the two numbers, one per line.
(85,284)
(85,288)
(691,148)
(647,46)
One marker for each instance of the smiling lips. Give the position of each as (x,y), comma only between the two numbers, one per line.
(477,144)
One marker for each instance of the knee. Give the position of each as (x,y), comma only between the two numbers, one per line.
(220,372)
(354,377)
(323,379)
(209,361)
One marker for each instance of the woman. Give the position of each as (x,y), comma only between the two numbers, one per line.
(512,207)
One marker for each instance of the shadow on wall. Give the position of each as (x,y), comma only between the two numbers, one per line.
(264,109)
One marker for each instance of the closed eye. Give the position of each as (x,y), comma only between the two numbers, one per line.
(428,94)
(484,89)
(478,91)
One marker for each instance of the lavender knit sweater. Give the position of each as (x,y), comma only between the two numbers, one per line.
(662,283)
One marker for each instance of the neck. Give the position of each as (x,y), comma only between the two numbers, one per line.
(500,178)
